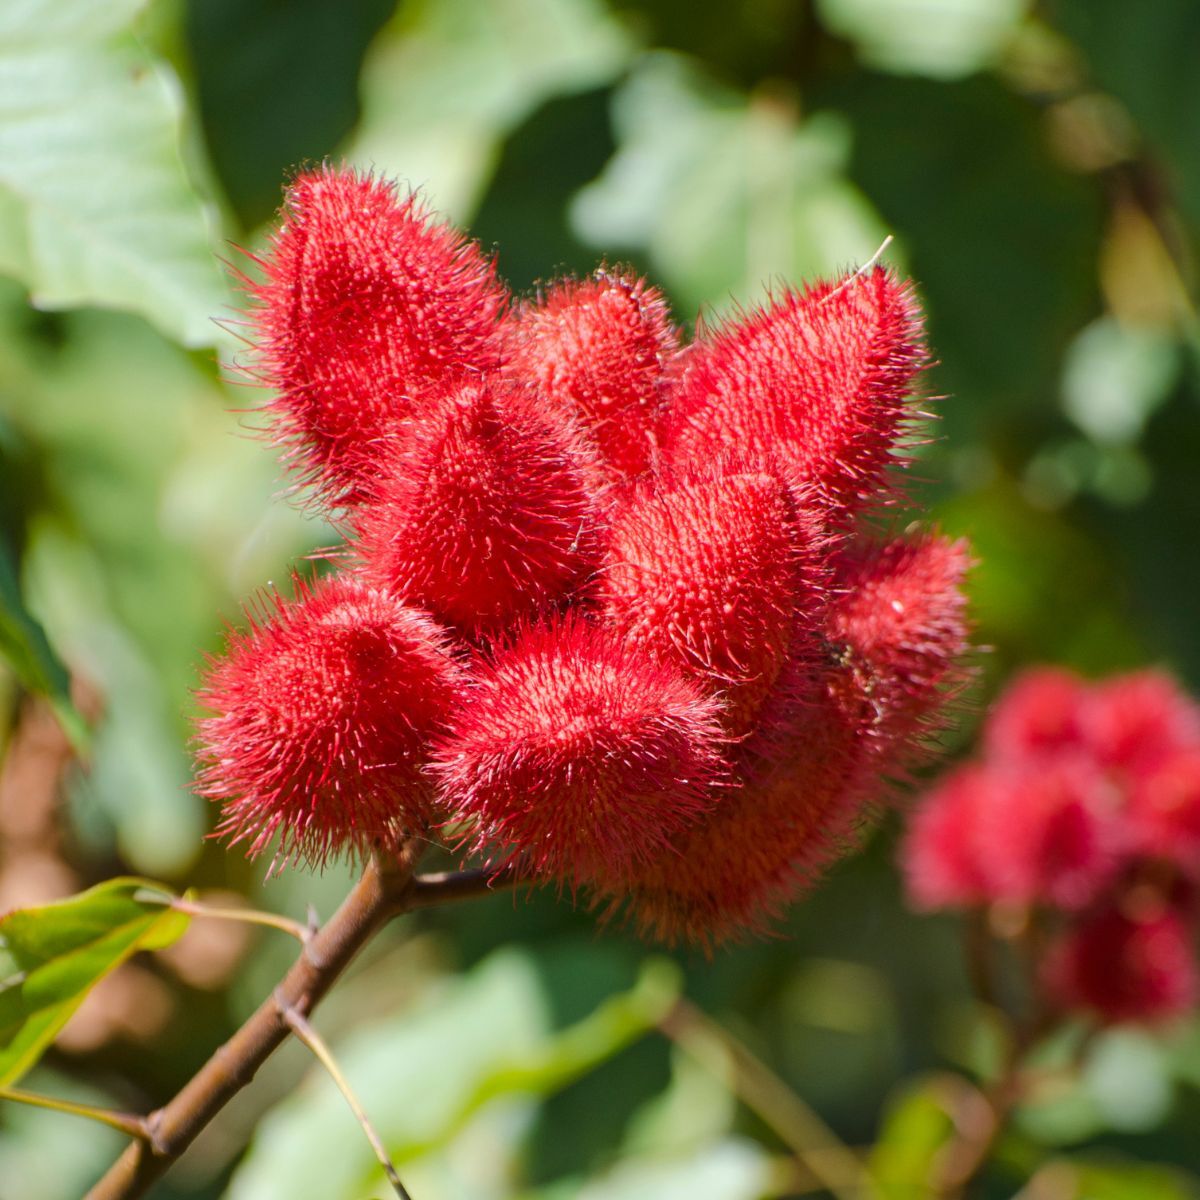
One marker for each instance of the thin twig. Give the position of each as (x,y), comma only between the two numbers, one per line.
(247,916)
(128,1123)
(817,1147)
(313,1040)
(443,887)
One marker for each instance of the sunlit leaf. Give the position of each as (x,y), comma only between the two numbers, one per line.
(424,1076)
(1115,376)
(95,206)
(52,956)
(942,38)
(729,1170)
(447,80)
(723,194)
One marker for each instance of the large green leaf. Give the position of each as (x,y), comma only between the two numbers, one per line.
(26,649)
(95,205)
(51,957)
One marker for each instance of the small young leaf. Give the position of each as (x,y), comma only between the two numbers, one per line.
(50,957)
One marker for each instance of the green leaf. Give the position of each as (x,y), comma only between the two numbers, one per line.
(95,205)
(733,1169)
(482,1046)
(25,647)
(448,80)
(50,957)
(915,1130)
(945,39)
(698,165)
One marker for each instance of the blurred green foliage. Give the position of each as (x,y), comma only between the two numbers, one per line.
(1039,167)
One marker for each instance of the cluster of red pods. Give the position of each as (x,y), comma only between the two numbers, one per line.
(615,604)
(1085,810)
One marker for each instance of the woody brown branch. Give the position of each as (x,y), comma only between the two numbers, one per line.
(386,889)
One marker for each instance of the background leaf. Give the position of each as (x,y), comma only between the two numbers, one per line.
(95,206)
(482,1046)
(26,649)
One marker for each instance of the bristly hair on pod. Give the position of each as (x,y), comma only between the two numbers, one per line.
(818,378)
(901,614)
(815,768)
(579,753)
(322,717)
(484,516)
(771,836)
(724,572)
(366,301)
(603,349)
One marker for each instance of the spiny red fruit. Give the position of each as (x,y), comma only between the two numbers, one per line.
(1136,722)
(1126,966)
(1040,713)
(812,766)
(322,719)
(1086,804)
(723,574)
(484,516)
(602,349)
(366,302)
(1164,811)
(943,863)
(901,614)
(1048,835)
(768,838)
(819,379)
(578,751)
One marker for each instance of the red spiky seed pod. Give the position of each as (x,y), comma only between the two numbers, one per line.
(815,767)
(322,719)
(580,753)
(602,349)
(1164,811)
(1135,722)
(818,379)
(366,302)
(1126,966)
(770,837)
(944,862)
(1038,834)
(1052,835)
(901,614)
(722,573)
(484,515)
(1038,715)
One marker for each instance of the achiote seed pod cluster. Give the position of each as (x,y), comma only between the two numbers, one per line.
(1083,814)
(626,612)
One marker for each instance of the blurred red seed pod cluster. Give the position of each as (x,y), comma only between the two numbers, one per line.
(1086,806)
(614,604)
